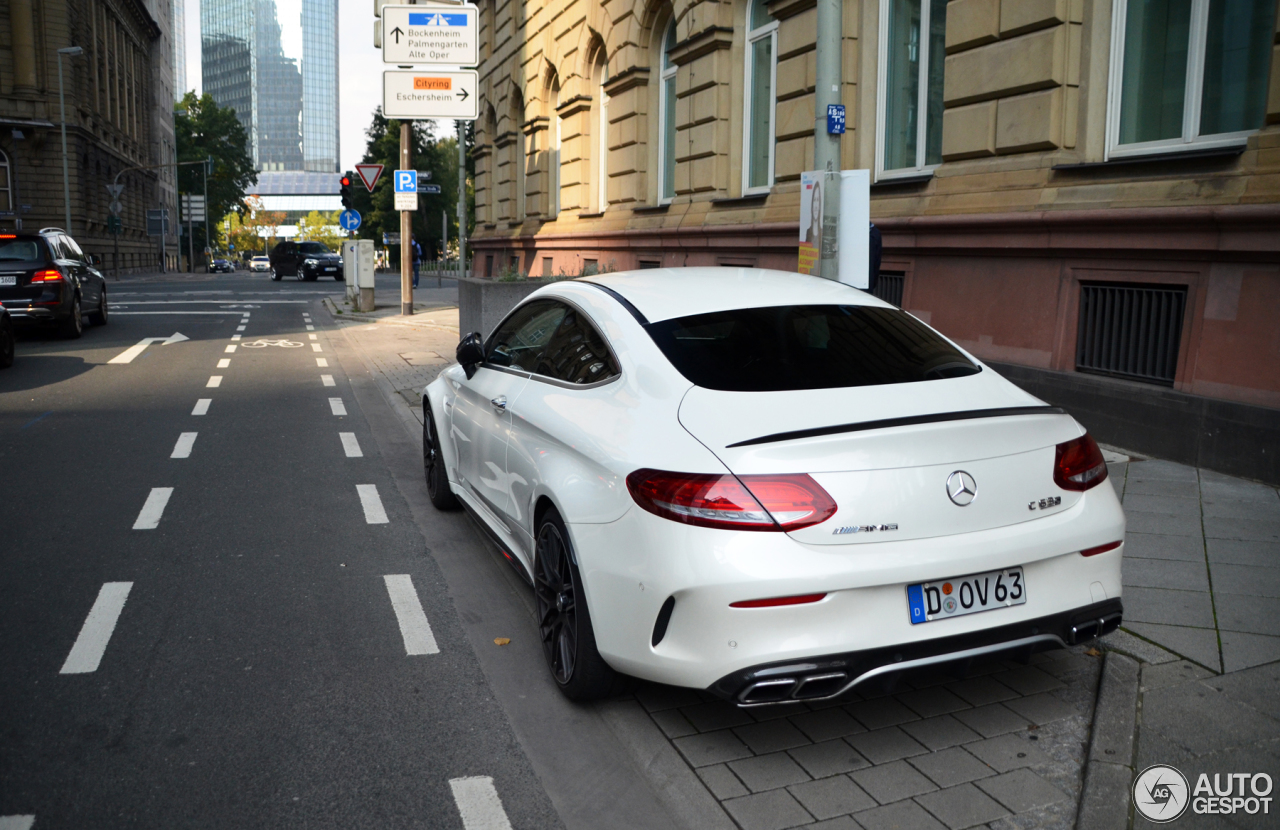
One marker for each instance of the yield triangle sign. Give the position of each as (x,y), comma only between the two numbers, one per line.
(369,174)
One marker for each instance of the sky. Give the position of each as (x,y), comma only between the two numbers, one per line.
(359,66)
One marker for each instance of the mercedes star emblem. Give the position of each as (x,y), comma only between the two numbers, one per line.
(961,488)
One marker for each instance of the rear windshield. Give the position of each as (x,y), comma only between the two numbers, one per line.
(21,250)
(313,248)
(806,347)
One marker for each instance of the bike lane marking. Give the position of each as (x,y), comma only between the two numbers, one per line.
(478,803)
(90,645)
(414,628)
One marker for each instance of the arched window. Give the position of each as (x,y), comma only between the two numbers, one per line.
(6,191)
(553,151)
(667,119)
(519,158)
(602,137)
(758,109)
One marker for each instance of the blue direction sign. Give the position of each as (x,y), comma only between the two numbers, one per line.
(406,181)
(428,188)
(349,220)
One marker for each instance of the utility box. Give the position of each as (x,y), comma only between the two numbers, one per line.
(358,269)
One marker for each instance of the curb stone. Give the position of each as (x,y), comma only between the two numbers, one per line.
(1104,798)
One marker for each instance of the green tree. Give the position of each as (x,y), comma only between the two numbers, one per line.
(210,131)
(322,227)
(439,155)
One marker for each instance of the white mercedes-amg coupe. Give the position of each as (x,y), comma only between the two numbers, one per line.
(767,485)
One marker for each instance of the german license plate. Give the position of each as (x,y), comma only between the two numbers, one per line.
(331,269)
(8,280)
(930,601)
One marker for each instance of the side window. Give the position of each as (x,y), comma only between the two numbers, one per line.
(521,338)
(73,250)
(56,249)
(577,353)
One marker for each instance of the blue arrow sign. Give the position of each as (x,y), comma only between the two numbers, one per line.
(349,220)
(406,181)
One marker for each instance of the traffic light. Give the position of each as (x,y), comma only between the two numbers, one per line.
(345,181)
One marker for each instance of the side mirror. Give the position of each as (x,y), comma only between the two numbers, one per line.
(471,353)
(95,260)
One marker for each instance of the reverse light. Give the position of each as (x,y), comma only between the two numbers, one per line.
(1100,549)
(774,602)
(1079,465)
(766,502)
(47,275)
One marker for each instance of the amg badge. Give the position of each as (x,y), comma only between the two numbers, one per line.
(841,531)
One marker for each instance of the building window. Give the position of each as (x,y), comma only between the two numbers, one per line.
(553,153)
(667,119)
(758,109)
(6,187)
(912,50)
(602,142)
(1188,74)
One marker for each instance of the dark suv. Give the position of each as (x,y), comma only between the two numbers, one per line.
(304,261)
(45,279)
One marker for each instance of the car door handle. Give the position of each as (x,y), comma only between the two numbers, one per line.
(499,403)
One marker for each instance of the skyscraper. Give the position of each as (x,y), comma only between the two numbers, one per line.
(289,111)
(179,49)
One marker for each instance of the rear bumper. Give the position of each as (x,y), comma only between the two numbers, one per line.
(37,315)
(830,675)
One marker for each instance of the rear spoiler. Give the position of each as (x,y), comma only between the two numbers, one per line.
(886,423)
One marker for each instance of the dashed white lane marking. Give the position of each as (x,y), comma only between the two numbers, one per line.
(239,328)
(351,445)
(182,449)
(231,349)
(202,406)
(235,337)
(18,822)
(153,508)
(214,382)
(315,347)
(311,328)
(374,513)
(478,803)
(322,362)
(87,652)
(224,363)
(414,627)
(327,380)
(338,407)
(313,337)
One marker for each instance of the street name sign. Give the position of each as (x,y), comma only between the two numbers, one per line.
(430,93)
(428,188)
(369,174)
(406,187)
(431,34)
(349,220)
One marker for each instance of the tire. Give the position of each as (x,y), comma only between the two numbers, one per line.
(433,468)
(99,317)
(73,326)
(297,274)
(564,622)
(275,275)
(8,344)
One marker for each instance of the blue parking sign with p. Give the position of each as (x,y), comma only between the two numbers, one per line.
(406,181)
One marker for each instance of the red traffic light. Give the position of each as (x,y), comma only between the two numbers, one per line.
(346,181)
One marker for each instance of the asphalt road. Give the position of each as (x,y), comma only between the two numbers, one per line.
(280,648)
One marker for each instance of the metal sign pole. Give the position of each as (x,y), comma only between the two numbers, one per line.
(462,199)
(406,231)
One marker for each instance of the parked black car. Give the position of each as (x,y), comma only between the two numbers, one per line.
(305,261)
(7,342)
(222,266)
(45,279)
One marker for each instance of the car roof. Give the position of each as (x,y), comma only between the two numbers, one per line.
(666,293)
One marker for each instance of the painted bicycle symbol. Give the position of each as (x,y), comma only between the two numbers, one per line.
(262,344)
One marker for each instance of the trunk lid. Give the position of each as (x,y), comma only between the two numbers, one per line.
(885,453)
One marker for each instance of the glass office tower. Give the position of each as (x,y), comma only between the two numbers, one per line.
(289,111)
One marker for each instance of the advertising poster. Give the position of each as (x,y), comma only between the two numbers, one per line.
(810,222)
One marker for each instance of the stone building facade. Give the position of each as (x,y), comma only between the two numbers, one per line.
(119,105)
(1034,162)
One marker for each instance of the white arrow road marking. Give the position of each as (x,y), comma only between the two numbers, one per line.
(351,445)
(202,406)
(374,513)
(338,407)
(182,449)
(327,380)
(153,508)
(132,352)
(87,652)
(478,803)
(17,822)
(414,627)
(322,362)
(214,382)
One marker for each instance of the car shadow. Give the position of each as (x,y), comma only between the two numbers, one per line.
(32,371)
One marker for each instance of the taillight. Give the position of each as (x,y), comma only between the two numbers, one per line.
(1079,464)
(781,502)
(47,275)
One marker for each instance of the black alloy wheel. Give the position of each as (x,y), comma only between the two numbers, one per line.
(297,274)
(433,464)
(564,622)
(99,317)
(7,343)
(73,326)
(275,275)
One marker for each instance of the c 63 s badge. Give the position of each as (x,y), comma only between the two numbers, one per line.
(1044,504)
(841,531)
